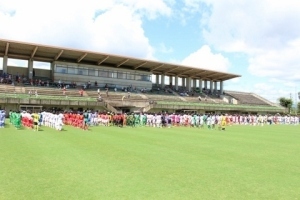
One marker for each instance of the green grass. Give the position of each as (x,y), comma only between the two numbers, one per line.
(150,163)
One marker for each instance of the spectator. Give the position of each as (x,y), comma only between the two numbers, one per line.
(81,92)
(100,98)
(64,91)
(29,93)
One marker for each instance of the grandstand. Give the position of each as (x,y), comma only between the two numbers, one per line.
(126,83)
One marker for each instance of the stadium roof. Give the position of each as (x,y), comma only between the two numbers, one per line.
(39,52)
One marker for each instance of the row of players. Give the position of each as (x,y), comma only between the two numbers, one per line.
(87,118)
(157,120)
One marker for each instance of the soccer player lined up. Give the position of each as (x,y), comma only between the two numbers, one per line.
(53,120)
(15,119)
(2,118)
(27,120)
(36,119)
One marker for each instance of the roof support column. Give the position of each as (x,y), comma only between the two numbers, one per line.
(157,79)
(162,81)
(52,66)
(188,84)
(200,85)
(205,84)
(30,68)
(183,82)
(221,87)
(176,82)
(215,87)
(171,81)
(211,87)
(194,83)
(5,64)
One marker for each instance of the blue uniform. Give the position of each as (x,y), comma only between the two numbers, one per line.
(2,119)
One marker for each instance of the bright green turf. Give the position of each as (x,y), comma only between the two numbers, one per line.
(150,163)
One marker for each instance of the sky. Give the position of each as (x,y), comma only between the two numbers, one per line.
(258,39)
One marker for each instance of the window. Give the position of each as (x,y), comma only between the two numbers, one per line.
(138,77)
(145,78)
(92,72)
(61,69)
(112,74)
(121,75)
(130,76)
(142,77)
(82,71)
(71,70)
(103,73)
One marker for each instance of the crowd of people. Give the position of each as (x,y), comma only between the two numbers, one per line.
(83,120)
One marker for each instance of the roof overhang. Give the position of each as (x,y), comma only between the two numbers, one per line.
(39,52)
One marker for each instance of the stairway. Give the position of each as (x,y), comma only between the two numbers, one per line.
(176,94)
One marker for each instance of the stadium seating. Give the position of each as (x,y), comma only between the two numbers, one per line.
(246,98)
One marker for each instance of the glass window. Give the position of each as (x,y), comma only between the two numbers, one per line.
(145,78)
(121,75)
(82,71)
(92,72)
(72,70)
(61,69)
(112,74)
(103,73)
(138,77)
(130,76)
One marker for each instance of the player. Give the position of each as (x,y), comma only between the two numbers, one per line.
(36,119)
(2,118)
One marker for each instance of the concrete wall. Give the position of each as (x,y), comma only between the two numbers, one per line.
(20,70)
(24,71)
(42,73)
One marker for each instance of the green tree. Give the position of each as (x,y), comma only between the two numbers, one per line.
(298,107)
(285,102)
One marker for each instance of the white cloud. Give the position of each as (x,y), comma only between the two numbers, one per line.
(283,63)
(273,92)
(113,26)
(163,49)
(17,62)
(266,31)
(205,58)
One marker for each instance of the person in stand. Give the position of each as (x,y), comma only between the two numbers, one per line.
(99,98)
(64,91)
(81,92)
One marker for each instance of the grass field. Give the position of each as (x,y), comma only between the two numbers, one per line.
(150,163)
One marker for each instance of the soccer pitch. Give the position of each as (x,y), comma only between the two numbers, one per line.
(243,162)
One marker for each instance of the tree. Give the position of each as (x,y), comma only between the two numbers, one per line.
(298,106)
(285,102)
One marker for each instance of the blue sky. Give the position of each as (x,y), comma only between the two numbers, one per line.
(259,39)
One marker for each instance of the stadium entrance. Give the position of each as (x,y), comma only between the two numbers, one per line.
(33,108)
